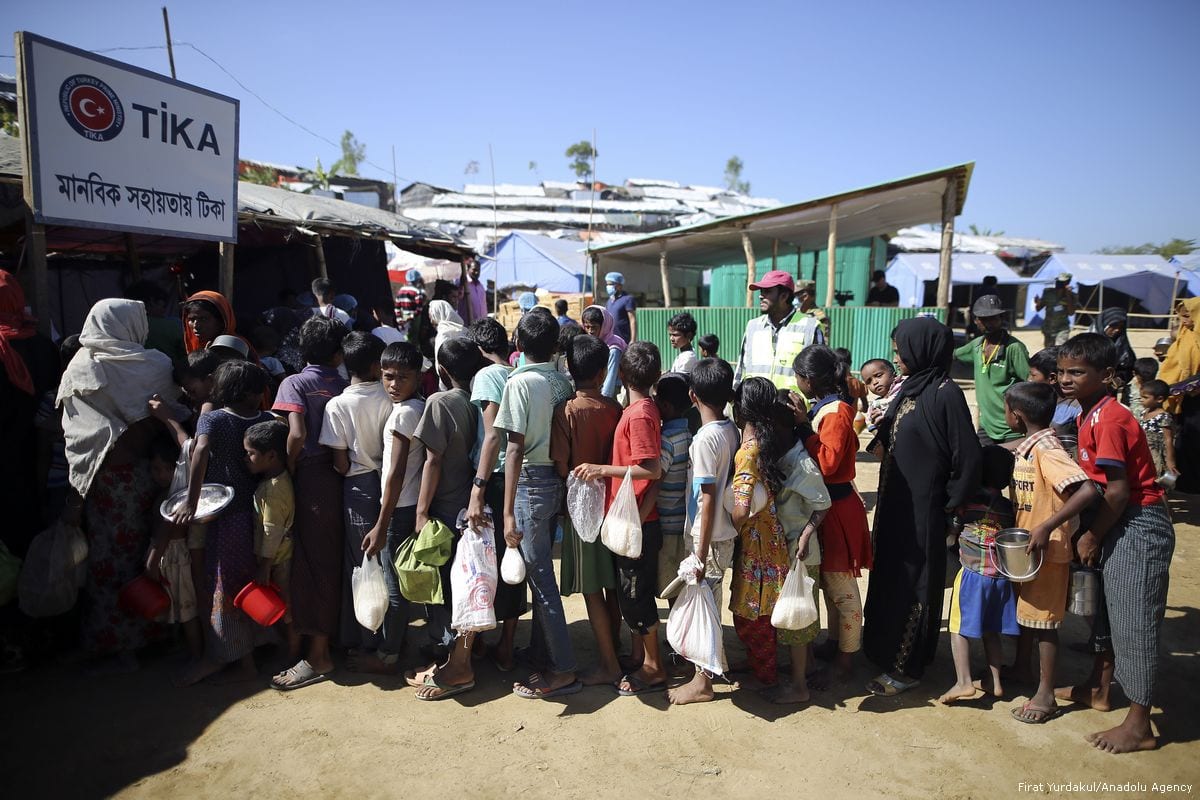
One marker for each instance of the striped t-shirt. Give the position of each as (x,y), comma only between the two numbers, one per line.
(672,503)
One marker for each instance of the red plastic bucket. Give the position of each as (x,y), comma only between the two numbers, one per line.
(144,597)
(261,602)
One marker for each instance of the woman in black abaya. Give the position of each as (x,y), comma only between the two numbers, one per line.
(931,465)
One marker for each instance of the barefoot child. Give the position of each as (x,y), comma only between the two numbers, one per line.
(761,559)
(582,433)
(845,537)
(800,506)
(983,603)
(533,497)
(219,456)
(400,481)
(710,533)
(169,560)
(487,492)
(274,513)
(637,446)
(317,535)
(1049,490)
(1132,534)
(352,430)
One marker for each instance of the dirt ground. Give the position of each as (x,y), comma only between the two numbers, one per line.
(64,735)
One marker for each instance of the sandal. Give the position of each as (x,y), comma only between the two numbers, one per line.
(639,686)
(445,690)
(298,677)
(536,688)
(887,686)
(1044,714)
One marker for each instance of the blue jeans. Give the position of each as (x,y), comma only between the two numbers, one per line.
(539,498)
(395,622)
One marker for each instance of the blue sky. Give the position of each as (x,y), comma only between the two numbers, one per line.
(1083,117)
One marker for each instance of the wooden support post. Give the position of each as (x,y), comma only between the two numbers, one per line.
(596,280)
(131,253)
(322,269)
(831,259)
(35,254)
(751,267)
(949,205)
(666,278)
(774,253)
(226,272)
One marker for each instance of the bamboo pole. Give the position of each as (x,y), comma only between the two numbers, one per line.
(774,253)
(666,280)
(322,269)
(949,205)
(831,260)
(751,267)
(226,251)
(35,233)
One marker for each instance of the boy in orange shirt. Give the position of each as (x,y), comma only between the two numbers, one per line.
(1049,490)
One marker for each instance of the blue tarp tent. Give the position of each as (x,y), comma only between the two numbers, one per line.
(1148,278)
(523,259)
(910,272)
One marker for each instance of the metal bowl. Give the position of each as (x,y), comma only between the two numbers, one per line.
(1011,559)
(214,497)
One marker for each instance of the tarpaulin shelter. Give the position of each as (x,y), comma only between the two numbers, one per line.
(528,260)
(1148,278)
(915,275)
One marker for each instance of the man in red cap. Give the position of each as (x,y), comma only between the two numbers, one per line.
(772,342)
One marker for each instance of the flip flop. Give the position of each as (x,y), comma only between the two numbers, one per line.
(639,686)
(299,676)
(887,686)
(540,693)
(447,690)
(1047,714)
(411,677)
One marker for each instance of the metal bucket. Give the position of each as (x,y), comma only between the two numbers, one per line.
(1012,560)
(1085,591)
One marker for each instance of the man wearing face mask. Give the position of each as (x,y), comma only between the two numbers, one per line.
(772,341)
(622,306)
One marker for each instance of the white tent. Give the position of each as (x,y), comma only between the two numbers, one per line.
(909,272)
(1148,278)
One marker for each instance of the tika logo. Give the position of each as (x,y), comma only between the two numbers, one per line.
(91,107)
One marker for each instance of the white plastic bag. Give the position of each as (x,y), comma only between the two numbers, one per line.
(182,466)
(694,624)
(622,529)
(473,581)
(370,593)
(585,505)
(512,566)
(54,570)
(795,608)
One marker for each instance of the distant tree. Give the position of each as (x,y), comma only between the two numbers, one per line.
(1174,247)
(353,154)
(8,122)
(533,167)
(977,231)
(581,154)
(263,176)
(320,178)
(733,176)
(472,168)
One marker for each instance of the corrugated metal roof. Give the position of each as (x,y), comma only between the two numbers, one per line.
(631,206)
(651,182)
(510,217)
(509,189)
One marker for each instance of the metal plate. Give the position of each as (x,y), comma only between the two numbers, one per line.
(214,497)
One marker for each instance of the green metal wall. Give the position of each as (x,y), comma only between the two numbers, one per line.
(856,261)
(865,332)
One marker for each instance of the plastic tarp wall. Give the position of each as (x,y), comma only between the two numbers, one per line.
(909,272)
(520,259)
(1148,278)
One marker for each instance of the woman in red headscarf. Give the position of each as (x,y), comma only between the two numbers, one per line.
(29,368)
(207,315)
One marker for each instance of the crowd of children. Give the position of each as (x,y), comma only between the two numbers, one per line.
(347,459)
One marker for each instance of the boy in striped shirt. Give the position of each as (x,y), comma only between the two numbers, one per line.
(671,396)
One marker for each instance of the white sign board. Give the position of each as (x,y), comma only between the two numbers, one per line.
(117,147)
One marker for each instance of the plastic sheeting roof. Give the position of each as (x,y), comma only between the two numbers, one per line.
(1148,278)
(557,265)
(908,272)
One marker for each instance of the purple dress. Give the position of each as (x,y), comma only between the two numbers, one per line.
(229,562)
(318,530)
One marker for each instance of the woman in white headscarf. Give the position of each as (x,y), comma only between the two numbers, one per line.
(449,326)
(108,431)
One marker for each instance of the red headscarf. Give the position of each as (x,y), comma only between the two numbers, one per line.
(15,323)
(224,309)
